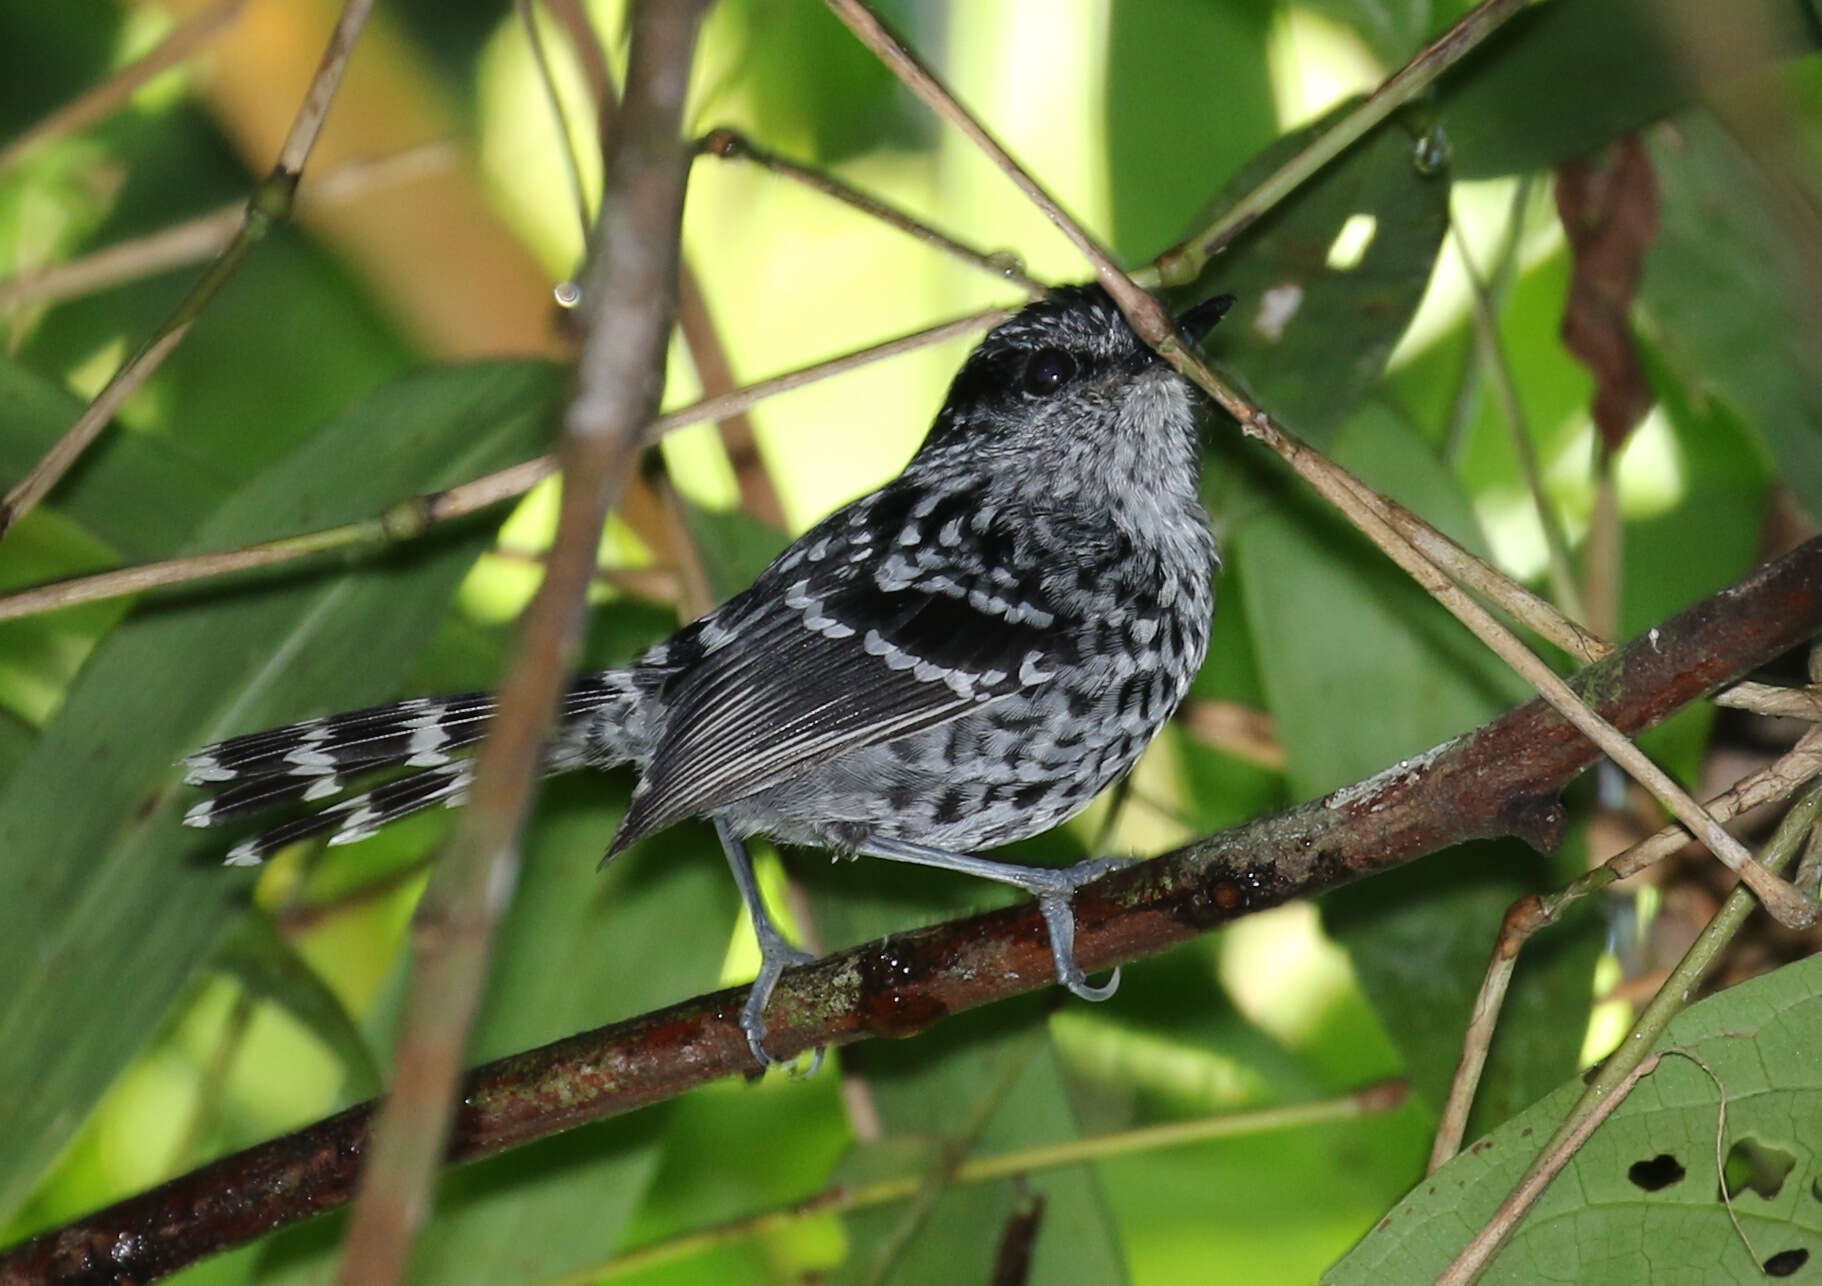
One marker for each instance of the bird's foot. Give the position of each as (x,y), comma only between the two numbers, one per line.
(1056,901)
(775,956)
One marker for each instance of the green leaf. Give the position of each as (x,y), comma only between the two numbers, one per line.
(1316,318)
(110,903)
(1566,77)
(1361,667)
(258,957)
(139,494)
(1003,1071)
(1392,29)
(1641,1200)
(580,947)
(1728,326)
(1161,110)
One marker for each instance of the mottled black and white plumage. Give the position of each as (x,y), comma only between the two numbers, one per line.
(963,658)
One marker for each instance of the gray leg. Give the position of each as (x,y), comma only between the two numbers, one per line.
(775,954)
(1054,886)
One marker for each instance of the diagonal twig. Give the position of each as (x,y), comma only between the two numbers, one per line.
(270,205)
(730,145)
(629,302)
(1532,913)
(1634,1058)
(1183,263)
(194,240)
(105,99)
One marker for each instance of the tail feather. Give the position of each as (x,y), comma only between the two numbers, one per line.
(359,816)
(320,758)
(422,728)
(262,793)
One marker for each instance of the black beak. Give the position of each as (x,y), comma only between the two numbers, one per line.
(1196,322)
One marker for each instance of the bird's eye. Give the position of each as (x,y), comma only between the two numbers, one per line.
(1048,370)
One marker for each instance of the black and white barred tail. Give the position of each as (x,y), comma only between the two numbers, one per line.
(321,759)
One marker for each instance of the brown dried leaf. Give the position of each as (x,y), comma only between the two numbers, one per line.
(1609,209)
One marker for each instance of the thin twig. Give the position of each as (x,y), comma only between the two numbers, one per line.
(270,204)
(906,65)
(1493,356)
(1785,903)
(758,496)
(409,518)
(572,169)
(1685,981)
(1532,913)
(1479,1252)
(194,240)
(1183,263)
(586,45)
(105,99)
(1465,398)
(629,302)
(730,144)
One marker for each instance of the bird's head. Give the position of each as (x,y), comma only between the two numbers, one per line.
(1065,394)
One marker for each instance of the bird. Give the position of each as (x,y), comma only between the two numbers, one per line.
(965,657)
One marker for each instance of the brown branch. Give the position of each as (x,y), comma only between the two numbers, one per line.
(1500,779)
(629,303)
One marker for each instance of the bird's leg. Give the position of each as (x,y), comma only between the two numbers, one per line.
(775,953)
(1054,886)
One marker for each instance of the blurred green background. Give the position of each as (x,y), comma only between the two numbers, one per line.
(159,1010)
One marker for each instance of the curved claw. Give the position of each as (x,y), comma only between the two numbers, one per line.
(1079,986)
(1059,918)
(775,956)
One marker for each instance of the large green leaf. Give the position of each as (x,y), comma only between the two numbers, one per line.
(1641,1200)
(992,1081)
(1316,319)
(1728,326)
(1567,77)
(140,495)
(1167,134)
(110,904)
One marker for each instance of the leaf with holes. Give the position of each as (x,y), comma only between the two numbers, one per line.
(1642,1200)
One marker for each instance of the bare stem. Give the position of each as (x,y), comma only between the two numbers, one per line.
(1374,1100)
(1634,1058)
(1479,1252)
(920,80)
(730,144)
(105,99)
(413,516)
(629,304)
(1493,353)
(269,205)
